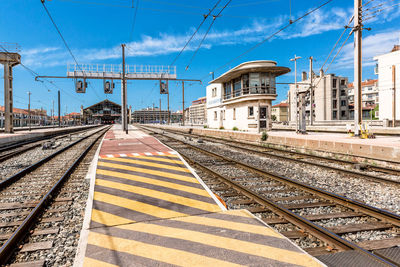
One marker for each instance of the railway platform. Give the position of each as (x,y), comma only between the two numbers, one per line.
(147,207)
(26,135)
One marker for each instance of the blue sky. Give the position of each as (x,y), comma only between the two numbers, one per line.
(94,30)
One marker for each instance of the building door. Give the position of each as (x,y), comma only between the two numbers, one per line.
(263,118)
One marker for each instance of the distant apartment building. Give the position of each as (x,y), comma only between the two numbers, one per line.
(241,97)
(38,117)
(150,115)
(330,98)
(280,112)
(370,98)
(198,111)
(388,70)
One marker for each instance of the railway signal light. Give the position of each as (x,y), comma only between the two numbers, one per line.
(80,86)
(163,87)
(108,86)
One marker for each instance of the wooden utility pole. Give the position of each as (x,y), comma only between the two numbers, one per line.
(29,109)
(159,113)
(123,93)
(357,66)
(183,103)
(394,95)
(59,109)
(311,92)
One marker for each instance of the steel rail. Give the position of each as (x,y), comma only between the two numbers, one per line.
(381,214)
(11,244)
(349,172)
(329,237)
(12,179)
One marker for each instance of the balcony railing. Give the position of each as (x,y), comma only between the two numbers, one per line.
(260,90)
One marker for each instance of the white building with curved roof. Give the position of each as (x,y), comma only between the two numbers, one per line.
(241,97)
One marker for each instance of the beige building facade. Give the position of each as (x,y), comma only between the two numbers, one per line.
(198,111)
(280,112)
(329,100)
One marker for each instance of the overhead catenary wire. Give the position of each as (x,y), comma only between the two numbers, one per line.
(191,37)
(272,35)
(62,37)
(134,19)
(35,74)
(371,14)
(337,42)
(377,6)
(205,35)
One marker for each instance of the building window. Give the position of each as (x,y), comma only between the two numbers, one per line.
(251,111)
(343,103)
(215,115)
(334,103)
(227,90)
(214,92)
(343,113)
(334,83)
(237,86)
(334,92)
(342,82)
(334,115)
(254,82)
(245,78)
(342,92)
(234,113)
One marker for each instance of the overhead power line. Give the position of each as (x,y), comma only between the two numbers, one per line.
(333,48)
(205,35)
(191,37)
(134,19)
(371,14)
(62,37)
(272,35)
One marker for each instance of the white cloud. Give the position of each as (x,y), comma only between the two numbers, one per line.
(321,21)
(372,45)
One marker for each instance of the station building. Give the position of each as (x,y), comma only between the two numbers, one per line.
(104,112)
(241,97)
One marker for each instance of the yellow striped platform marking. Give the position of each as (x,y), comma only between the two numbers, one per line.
(189,189)
(108,218)
(171,158)
(250,248)
(89,262)
(151,164)
(136,206)
(237,226)
(159,173)
(160,195)
(154,252)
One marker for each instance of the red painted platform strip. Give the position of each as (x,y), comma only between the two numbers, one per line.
(136,143)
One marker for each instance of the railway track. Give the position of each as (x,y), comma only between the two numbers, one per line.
(30,199)
(327,225)
(7,152)
(371,172)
